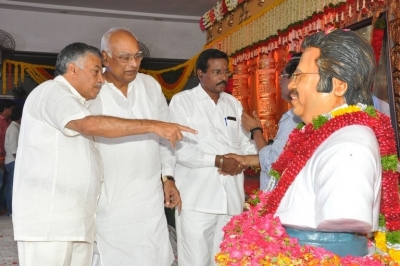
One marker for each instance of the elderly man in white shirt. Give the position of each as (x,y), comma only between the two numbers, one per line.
(211,185)
(131,225)
(58,170)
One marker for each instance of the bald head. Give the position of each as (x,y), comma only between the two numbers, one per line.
(105,40)
(121,57)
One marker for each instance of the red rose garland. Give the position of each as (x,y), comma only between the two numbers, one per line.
(303,143)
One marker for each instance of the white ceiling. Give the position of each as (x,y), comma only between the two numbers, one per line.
(168,10)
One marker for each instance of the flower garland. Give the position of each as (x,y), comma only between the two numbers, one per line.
(218,12)
(269,29)
(377,38)
(170,90)
(256,238)
(38,73)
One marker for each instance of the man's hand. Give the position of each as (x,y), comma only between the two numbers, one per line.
(229,166)
(172,198)
(171,131)
(246,160)
(249,122)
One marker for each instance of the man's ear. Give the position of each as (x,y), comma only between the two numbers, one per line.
(339,87)
(199,74)
(104,57)
(71,69)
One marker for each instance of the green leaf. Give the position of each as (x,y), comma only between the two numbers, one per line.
(380,23)
(393,237)
(319,121)
(275,174)
(382,220)
(300,125)
(389,162)
(370,110)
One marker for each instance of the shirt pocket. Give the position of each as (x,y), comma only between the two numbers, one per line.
(233,129)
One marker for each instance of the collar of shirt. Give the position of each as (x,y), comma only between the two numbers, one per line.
(83,101)
(202,94)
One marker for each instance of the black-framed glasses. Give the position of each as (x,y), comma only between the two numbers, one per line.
(296,76)
(219,72)
(125,58)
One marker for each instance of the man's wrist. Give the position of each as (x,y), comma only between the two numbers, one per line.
(220,161)
(165,178)
(254,130)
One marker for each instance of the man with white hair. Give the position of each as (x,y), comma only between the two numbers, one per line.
(131,226)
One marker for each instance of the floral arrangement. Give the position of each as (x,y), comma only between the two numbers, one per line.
(218,12)
(251,180)
(377,38)
(268,30)
(256,238)
(16,70)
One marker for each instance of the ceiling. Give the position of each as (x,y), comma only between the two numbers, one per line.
(168,10)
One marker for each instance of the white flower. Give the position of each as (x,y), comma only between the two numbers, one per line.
(218,11)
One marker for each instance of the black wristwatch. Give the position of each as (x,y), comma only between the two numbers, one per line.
(167,177)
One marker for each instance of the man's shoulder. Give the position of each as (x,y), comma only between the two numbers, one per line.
(229,97)
(185,94)
(51,86)
(145,77)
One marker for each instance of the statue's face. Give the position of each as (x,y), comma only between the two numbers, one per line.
(306,100)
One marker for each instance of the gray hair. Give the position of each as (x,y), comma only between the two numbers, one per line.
(105,45)
(74,53)
(347,56)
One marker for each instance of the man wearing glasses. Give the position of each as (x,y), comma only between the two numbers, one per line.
(131,223)
(211,185)
(269,153)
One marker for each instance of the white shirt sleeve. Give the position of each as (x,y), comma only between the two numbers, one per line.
(58,107)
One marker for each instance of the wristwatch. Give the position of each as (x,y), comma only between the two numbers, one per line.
(167,177)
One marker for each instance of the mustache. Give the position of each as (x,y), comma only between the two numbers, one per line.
(294,93)
(221,82)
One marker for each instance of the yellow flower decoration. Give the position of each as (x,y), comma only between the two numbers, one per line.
(345,110)
(394,254)
(380,240)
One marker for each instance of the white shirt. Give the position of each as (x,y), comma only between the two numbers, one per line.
(339,187)
(58,171)
(11,142)
(220,132)
(132,227)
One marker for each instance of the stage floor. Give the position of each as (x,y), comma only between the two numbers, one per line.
(8,247)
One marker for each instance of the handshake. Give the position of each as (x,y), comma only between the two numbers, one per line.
(230,164)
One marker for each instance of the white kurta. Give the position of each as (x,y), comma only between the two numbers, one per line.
(220,132)
(339,187)
(131,226)
(58,171)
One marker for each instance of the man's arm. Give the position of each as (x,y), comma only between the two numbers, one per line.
(113,127)
(250,123)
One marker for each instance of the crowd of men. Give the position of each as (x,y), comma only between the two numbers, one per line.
(100,154)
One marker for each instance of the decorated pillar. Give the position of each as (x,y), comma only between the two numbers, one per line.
(241,88)
(267,94)
(253,84)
